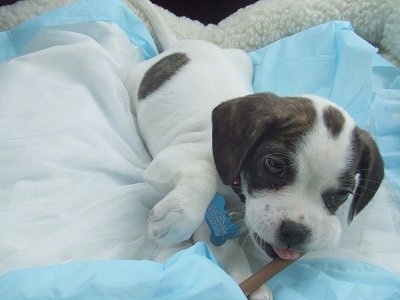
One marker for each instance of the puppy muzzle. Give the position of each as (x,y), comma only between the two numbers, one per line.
(291,238)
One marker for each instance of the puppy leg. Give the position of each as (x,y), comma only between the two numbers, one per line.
(233,260)
(190,184)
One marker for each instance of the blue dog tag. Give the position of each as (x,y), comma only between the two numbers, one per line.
(219,221)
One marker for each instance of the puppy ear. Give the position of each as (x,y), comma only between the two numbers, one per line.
(239,123)
(371,170)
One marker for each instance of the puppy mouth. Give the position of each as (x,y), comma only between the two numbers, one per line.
(271,251)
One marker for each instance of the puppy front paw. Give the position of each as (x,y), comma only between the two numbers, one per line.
(263,293)
(171,222)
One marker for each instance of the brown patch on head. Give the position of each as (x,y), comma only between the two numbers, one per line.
(239,124)
(161,72)
(333,120)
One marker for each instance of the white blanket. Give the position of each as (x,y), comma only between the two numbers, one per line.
(71,158)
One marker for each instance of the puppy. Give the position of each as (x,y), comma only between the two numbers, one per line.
(299,159)
(296,159)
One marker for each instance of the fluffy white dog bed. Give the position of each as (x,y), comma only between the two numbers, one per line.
(377,21)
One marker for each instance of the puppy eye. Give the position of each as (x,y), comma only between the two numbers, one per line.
(274,165)
(341,196)
(334,199)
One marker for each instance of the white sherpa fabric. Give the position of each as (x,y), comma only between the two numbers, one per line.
(257,25)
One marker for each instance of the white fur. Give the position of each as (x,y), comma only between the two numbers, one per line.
(175,124)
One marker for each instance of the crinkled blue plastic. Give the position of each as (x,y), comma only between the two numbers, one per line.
(333,279)
(13,41)
(190,274)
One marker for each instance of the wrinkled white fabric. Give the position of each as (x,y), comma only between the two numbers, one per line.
(71,158)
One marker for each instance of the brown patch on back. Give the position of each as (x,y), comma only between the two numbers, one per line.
(160,73)
(333,120)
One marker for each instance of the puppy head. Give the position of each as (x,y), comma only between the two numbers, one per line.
(299,159)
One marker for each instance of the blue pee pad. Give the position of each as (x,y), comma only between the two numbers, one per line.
(328,60)
(333,279)
(190,274)
(83,11)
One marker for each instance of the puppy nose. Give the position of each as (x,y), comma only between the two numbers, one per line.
(293,234)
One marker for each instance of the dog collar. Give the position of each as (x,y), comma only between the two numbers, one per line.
(237,188)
